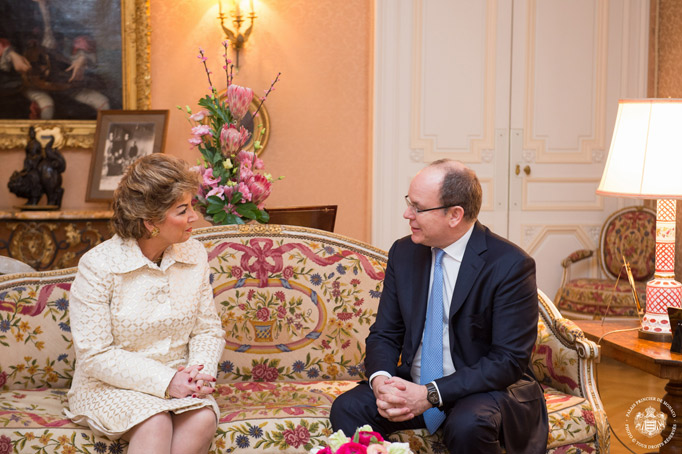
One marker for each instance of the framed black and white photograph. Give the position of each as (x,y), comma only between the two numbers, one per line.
(121,137)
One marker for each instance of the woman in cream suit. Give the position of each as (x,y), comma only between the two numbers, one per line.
(145,328)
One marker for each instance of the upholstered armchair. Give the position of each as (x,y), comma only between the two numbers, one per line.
(630,232)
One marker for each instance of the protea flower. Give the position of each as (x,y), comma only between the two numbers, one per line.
(260,189)
(238,99)
(231,139)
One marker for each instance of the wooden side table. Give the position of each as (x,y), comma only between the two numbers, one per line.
(49,240)
(649,356)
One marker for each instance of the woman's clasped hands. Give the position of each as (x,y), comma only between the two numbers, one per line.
(190,381)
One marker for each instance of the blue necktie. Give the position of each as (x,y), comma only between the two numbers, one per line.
(432,344)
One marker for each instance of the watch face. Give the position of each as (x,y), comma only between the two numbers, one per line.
(432,396)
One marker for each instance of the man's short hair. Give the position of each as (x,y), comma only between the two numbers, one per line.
(460,187)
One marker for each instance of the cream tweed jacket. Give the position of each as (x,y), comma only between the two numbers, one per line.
(133,324)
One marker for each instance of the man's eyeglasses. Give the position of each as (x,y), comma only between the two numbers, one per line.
(416,210)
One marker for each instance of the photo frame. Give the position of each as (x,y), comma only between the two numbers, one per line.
(121,137)
(135,89)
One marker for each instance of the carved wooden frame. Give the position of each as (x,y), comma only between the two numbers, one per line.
(135,43)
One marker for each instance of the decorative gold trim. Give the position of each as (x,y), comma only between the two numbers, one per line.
(136,51)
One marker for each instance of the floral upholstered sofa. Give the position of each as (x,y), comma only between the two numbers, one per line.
(296,305)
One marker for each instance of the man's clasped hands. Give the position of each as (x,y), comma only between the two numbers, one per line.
(399,400)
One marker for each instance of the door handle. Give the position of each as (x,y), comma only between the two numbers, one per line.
(526,170)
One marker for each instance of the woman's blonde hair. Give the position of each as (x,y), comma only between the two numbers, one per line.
(149,188)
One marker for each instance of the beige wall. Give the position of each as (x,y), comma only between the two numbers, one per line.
(320,111)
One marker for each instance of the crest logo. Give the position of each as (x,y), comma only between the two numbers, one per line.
(645,424)
(650,422)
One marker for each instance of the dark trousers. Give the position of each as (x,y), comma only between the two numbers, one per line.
(473,424)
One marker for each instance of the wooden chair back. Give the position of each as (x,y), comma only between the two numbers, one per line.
(322,217)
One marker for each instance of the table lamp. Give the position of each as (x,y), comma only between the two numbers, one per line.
(645,161)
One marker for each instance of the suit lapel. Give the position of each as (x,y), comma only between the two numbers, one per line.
(472,263)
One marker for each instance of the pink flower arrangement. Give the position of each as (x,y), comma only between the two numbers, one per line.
(365,441)
(233,186)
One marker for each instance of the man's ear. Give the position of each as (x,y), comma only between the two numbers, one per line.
(455,216)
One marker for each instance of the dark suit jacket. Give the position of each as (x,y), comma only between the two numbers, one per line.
(493,326)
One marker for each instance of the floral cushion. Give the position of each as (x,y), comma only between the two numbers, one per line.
(600,297)
(571,419)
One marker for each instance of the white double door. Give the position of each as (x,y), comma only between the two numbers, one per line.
(523,91)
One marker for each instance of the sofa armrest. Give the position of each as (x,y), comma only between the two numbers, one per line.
(564,359)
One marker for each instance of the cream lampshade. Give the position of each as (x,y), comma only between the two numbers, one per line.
(645,161)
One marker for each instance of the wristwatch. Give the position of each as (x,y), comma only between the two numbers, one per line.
(432,394)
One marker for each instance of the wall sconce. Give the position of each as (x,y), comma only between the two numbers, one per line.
(237,39)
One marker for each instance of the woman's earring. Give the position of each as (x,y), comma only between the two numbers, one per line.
(154,232)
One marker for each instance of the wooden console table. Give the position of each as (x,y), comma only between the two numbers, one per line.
(49,240)
(649,356)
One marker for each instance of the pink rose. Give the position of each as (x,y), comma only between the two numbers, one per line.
(352,448)
(288,272)
(281,312)
(264,373)
(5,445)
(263,314)
(288,435)
(366,437)
(325,450)
(238,99)
(302,434)
(236,272)
(588,416)
(3,379)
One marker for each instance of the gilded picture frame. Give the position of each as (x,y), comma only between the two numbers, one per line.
(135,90)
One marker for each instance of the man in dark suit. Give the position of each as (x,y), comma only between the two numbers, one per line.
(483,393)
